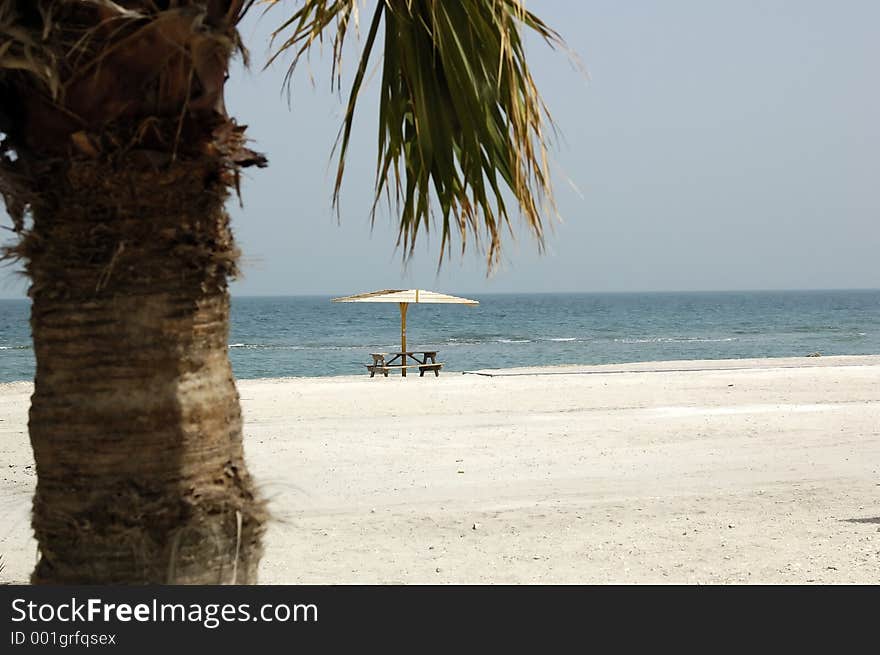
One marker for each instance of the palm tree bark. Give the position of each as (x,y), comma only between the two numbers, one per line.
(135,421)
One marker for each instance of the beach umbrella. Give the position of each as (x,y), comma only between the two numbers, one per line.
(403,297)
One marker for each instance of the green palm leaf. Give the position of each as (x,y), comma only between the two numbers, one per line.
(461,122)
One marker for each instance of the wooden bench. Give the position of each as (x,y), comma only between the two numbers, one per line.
(381,365)
(385,368)
(433,366)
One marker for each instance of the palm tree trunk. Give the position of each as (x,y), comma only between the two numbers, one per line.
(135,420)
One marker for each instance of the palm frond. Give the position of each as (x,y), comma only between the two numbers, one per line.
(461,122)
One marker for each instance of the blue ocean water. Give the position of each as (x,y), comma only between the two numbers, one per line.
(310,336)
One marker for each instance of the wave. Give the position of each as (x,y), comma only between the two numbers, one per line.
(820,328)
(15,347)
(452,341)
(269,346)
(264,346)
(674,340)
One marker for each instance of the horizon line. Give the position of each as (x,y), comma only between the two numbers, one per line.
(318,294)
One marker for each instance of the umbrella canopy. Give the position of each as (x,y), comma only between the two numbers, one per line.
(406,296)
(403,297)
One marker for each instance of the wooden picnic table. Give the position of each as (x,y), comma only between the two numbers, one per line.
(398,361)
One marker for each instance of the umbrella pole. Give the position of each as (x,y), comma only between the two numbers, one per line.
(403,307)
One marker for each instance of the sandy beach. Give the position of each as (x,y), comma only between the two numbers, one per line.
(739,471)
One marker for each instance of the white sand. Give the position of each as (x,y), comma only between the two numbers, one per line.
(735,471)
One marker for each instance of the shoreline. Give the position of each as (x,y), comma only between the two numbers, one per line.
(654,366)
(750,471)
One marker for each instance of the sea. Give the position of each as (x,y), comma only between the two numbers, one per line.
(308,336)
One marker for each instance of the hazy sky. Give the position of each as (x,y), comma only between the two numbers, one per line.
(717,144)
